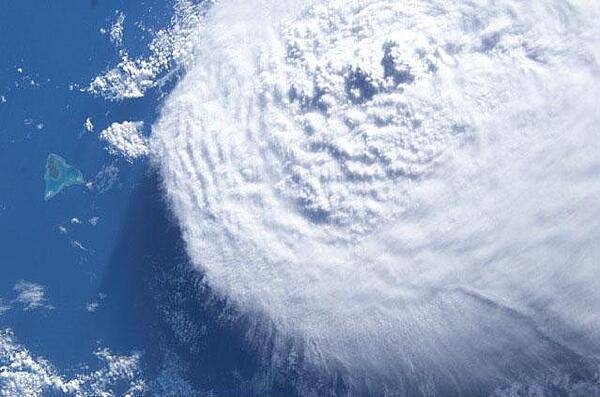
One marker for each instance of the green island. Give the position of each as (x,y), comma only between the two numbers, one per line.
(60,175)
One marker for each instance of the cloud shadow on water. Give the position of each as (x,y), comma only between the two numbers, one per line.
(157,304)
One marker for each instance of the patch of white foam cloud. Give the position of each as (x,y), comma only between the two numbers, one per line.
(171,381)
(170,49)
(116,30)
(116,368)
(95,304)
(409,189)
(126,139)
(30,295)
(35,124)
(22,374)
(105,179)
(129,79)
(4,307)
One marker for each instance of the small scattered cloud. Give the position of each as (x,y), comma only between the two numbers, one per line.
(30,295)
(88,125)
(38,125)
(77,244)
(67,228)
(116,30)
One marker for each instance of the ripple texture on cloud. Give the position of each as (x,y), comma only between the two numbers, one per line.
(407,190)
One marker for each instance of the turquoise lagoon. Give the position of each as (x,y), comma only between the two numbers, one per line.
(60,175)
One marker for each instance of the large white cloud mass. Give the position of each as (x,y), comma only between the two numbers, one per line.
(407,189)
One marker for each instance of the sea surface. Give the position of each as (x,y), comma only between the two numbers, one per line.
(106,258)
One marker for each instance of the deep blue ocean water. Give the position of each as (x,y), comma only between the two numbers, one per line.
(131,263)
